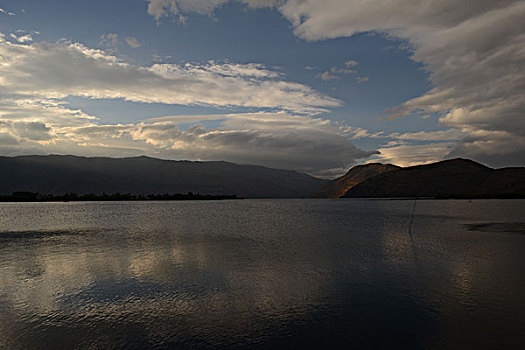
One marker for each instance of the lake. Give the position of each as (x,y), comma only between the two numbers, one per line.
(263,274)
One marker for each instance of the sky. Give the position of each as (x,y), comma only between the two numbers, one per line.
(309,85)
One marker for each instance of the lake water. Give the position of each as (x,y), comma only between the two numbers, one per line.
(263,274)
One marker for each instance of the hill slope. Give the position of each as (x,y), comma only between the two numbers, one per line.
(449,178)
(144,175)
(357,174)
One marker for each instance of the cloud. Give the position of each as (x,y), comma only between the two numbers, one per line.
(497,148)
(7,12)
(183,20)
(442,135)
(473,51)
(165,8)
(34,131)
(412,148)
(132,42)
(327,76)
(22,38)
(35,79)
(7,139)
(336,70)
(361,80)
(262,3)
(334,73)
(279,140)
(273,139)
(55,71)
(351,63)
(109,40)
(355,133)
(401,154)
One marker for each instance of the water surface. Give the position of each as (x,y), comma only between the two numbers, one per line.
(263,274)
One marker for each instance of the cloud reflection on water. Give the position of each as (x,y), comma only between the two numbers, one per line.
(252,273)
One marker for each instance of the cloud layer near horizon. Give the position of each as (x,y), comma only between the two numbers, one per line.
(36,77)
(474,51)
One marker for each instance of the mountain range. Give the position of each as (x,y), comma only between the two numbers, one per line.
(454,178)
(56,175)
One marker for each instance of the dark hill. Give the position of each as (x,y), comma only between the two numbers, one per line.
(460,178)
(143,175)
(357,174)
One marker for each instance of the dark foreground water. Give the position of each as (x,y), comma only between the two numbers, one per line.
(285,274)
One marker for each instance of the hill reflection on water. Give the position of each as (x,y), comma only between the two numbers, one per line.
(262,274)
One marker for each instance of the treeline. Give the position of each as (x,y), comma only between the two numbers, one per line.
(91,197)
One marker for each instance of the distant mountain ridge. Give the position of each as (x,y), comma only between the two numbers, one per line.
(56,174)
(357,174)
(454,178)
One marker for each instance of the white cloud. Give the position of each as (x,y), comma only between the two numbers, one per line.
(22,38)
(361,80)
(412,148)
(52,71)
(327,76)
(25,38)
(165,8)
(473,50)
(336,70)
(351,63)
(132,42)
(334,73)
(7,12)
(401,154)
(442,135)
(355,133)
(34,119)
(109,40)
